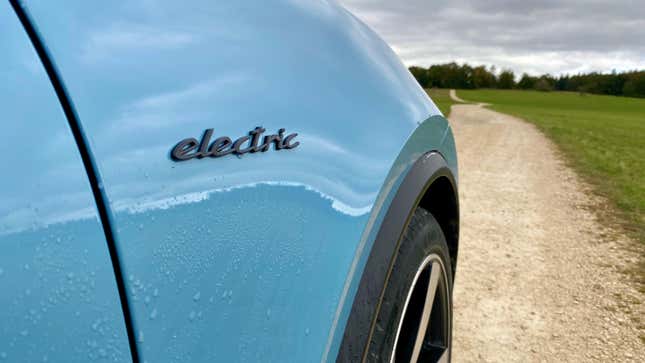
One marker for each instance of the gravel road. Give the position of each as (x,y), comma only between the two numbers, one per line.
(540,277)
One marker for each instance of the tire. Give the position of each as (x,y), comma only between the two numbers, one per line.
(422,255)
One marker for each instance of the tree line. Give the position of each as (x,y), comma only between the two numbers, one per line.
(453,75)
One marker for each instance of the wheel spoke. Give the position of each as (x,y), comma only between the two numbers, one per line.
(435,276)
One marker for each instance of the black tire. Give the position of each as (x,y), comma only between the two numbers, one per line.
(422,241)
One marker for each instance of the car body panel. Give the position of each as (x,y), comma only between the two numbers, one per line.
(257,256)
(58,296)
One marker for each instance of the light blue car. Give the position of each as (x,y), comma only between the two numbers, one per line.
(218,181)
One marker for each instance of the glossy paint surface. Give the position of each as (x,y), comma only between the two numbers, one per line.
(253,257)
(58,298)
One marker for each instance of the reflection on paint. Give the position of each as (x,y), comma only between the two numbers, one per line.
(194,278)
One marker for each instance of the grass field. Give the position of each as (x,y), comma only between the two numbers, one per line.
(603,137)
(441,98)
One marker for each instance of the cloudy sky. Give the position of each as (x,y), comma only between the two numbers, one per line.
(533,36)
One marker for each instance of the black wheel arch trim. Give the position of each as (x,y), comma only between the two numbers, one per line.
(362,317)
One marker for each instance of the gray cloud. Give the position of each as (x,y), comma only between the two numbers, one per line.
(533,36)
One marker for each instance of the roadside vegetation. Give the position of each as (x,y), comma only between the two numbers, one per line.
(465,76)
(602,136)
(441,98)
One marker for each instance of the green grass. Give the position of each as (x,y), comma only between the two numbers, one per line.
(441,98)
(603,137)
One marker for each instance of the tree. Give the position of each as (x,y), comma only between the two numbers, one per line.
(562,83)
(543,85)
(453,75)
(482,78)
(527,82)
(635,85)
(506,79)
(422,76)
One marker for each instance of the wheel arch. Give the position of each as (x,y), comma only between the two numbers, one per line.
(442,201)
(429,183)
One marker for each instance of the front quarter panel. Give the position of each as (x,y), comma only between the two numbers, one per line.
(250,257)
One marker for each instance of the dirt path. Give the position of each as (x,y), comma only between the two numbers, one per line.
(453,95)
(539,276)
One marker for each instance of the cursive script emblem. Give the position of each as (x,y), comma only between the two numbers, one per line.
(190,148)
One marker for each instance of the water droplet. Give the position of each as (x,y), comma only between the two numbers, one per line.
(191,316)
(141,226)
(268,313)
(153,314)
(24,333)
(1,271)
(3,355)
(140,338)
(307,331)
(147,300)
(70,275)
(197,296)
(155,293)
